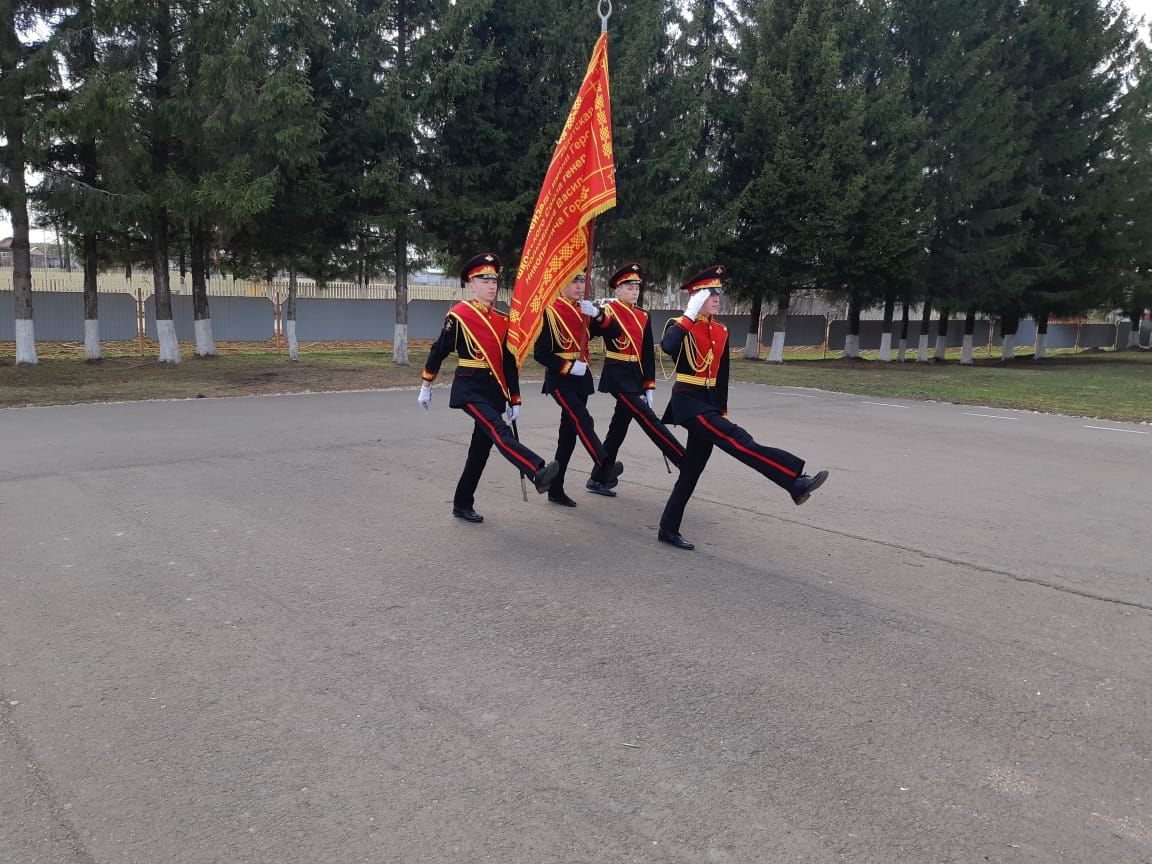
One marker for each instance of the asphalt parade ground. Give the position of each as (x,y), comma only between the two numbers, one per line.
(249,630)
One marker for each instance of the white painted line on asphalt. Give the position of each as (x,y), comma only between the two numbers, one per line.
(993,416)
(884,404)
(801,395)
(1111,429)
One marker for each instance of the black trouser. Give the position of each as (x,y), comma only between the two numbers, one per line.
(711,429)
(575,423)
(490,429)
(633,406)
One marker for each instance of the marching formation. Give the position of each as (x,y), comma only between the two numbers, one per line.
(486,386)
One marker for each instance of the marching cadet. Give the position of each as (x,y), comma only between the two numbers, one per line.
(629,373)
(562,349)
(486,382)
(699,402)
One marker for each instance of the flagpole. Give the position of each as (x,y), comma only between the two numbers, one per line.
(604,10)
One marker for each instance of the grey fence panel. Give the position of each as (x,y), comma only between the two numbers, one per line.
(7,317)
(1063,335)
(240,319)
(871,332)
(1098,335)
(58,316)
(234,319)
(338,320)
(802,330)
(181,317)
(426,318)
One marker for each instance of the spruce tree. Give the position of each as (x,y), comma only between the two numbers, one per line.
(1076,55)
(960,57)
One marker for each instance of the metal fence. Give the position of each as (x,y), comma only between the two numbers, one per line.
(59,316)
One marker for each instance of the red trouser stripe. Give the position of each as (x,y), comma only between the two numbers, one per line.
(744,449)
(496,437)
(579,429)
(647,421)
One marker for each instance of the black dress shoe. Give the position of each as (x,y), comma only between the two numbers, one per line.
(561,499)
(674,539)
(544,476)
(467,514)
(803,486)
(613,478)
(599,488)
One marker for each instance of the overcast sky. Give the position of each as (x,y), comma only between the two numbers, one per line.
(1139,9)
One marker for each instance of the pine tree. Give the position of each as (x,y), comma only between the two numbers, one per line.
(29,82)
(1076,57)
(959,57)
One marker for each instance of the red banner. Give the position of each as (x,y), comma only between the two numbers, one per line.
(580,185)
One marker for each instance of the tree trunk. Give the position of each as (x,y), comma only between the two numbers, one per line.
(903,333)
(1041,337)
(852,340)
(92,350)
(201,315)
(941,337)
(162,288)
(400,338)
(969,333)
(886,335)
(13,156)
(925,326)
(776,355)
(752,342)
(290,314)
(1009,324)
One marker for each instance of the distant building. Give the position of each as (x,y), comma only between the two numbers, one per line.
(45,256)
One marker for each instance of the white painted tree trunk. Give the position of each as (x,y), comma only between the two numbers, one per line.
(1041,346)
(966,351)
(92,339)
(1133,339)
(852,346)
(293,344)
(886,348)
(902,350)
(922,349)
(1008,347)
(26,342)
(941,348)
(205,344)
(776,355)
(400,345)
(751,346)
(169,347)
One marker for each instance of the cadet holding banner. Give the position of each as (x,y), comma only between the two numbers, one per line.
(562,349)
(629,373)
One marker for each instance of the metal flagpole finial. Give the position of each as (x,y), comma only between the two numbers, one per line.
(604,14)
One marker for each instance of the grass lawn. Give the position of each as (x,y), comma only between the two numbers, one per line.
(1116,386)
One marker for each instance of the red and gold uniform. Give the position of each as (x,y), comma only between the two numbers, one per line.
(562,343)
(699,402)
(486,381)
(630,372)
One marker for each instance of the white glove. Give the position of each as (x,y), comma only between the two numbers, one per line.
(587,307)
(513,413)
(650,397)
(696,303)
(425,397)
(578,368)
